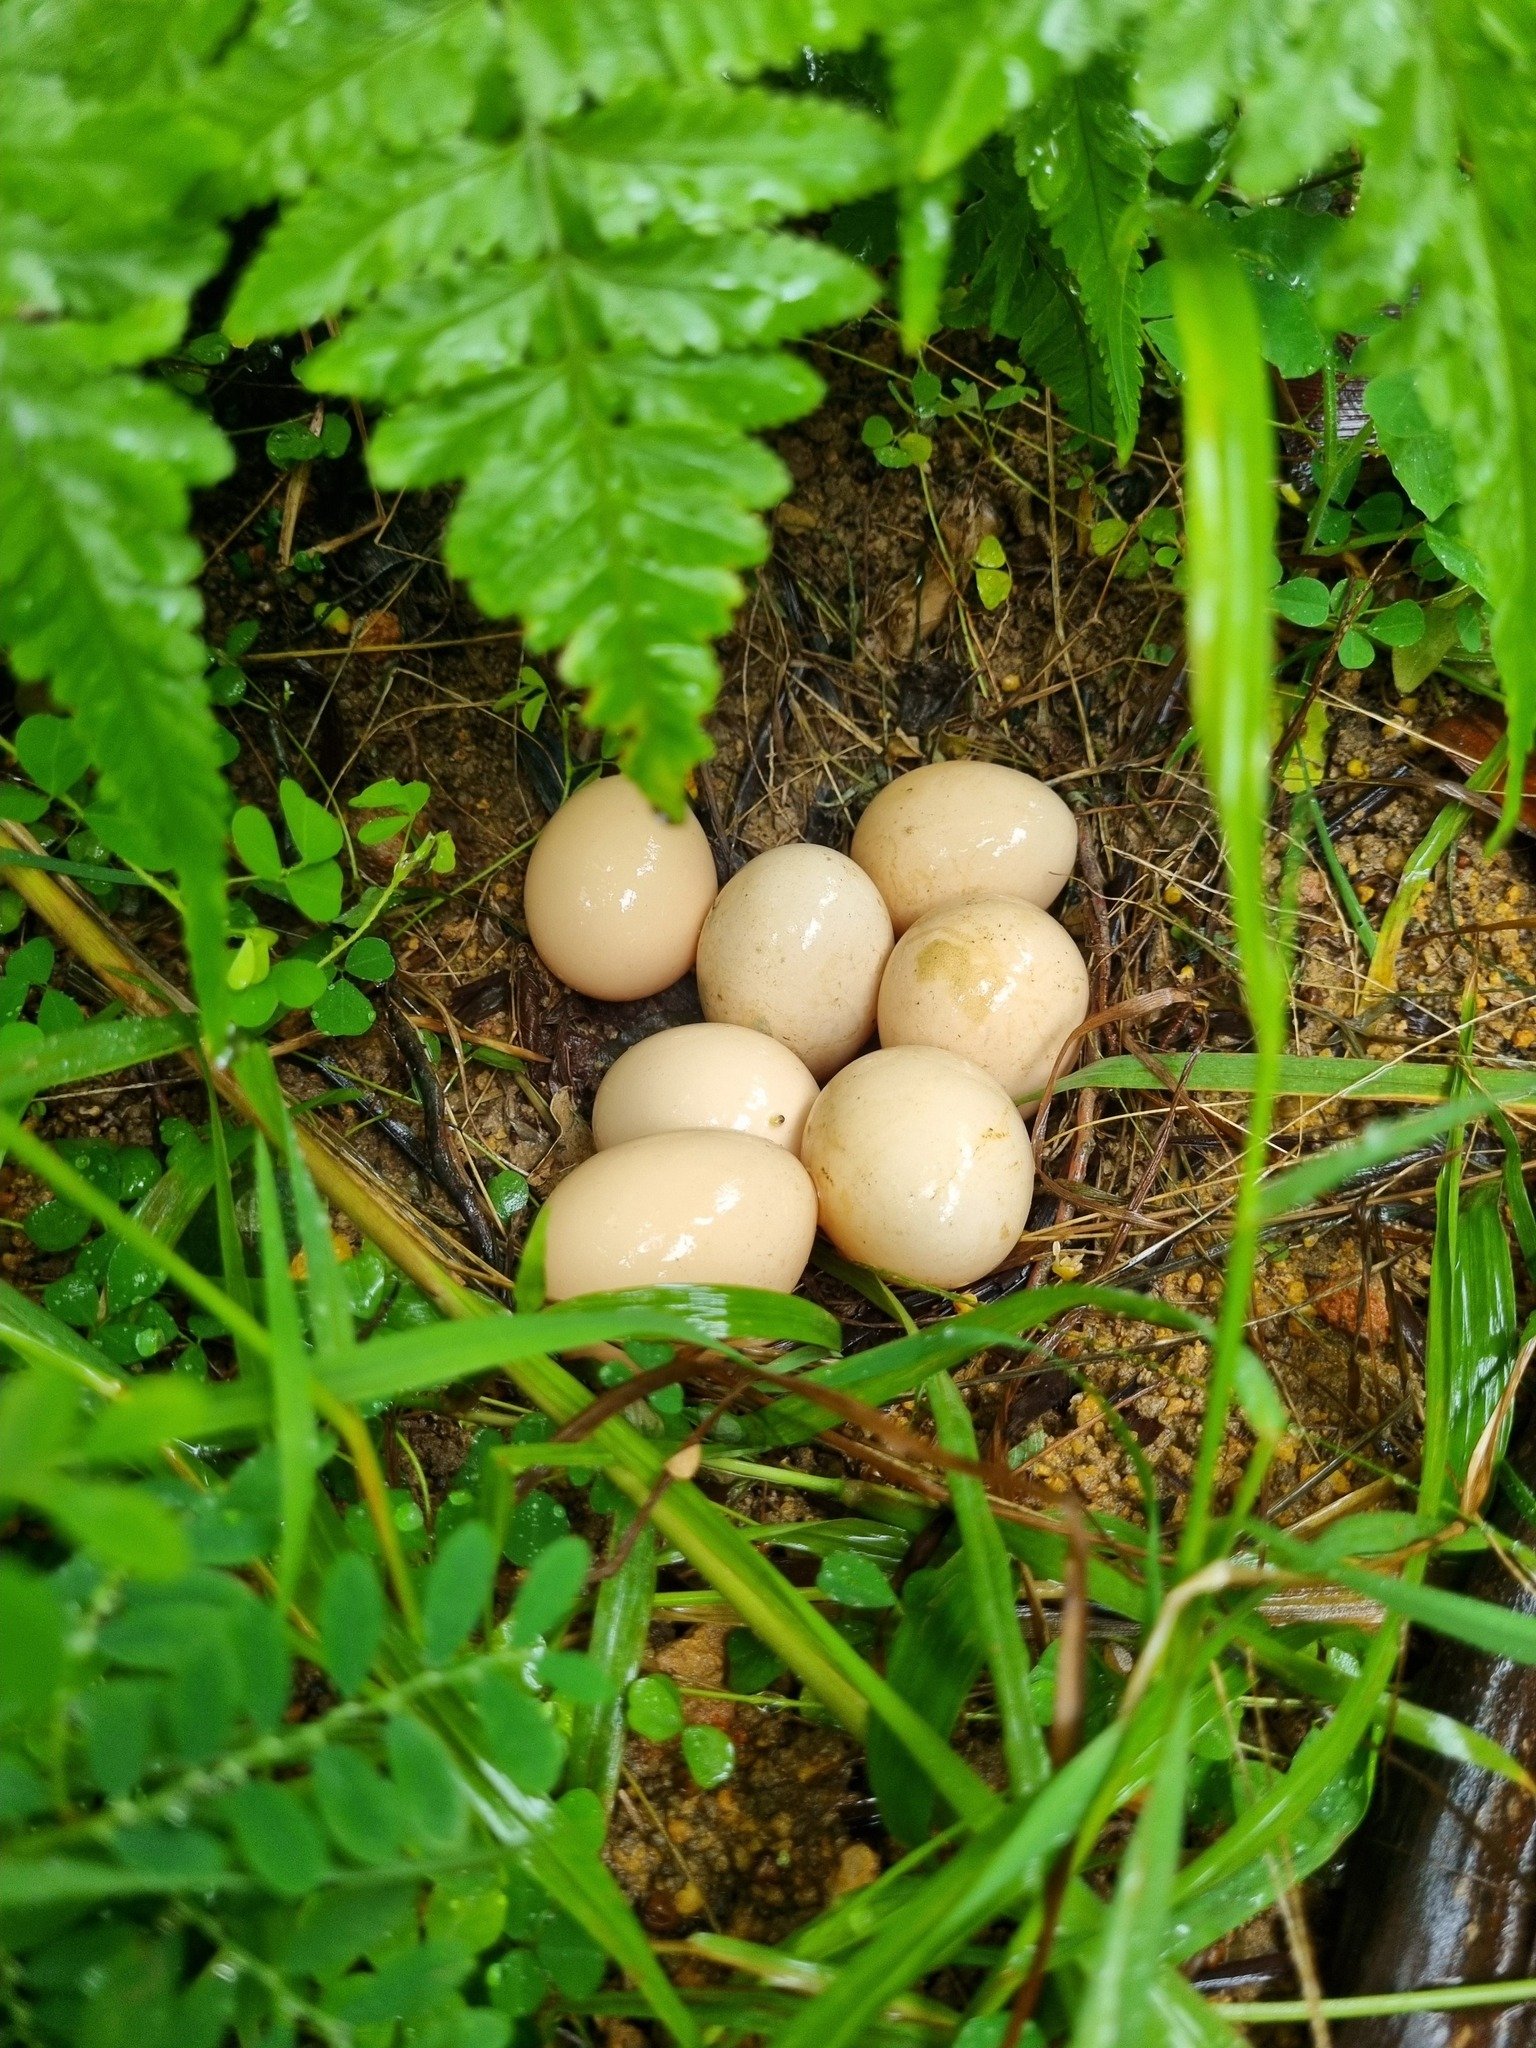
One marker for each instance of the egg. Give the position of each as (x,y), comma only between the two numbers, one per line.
(682,1207)
(996,981)
(922,1166)
(616,894)
(965,828)
(795,946)
(705,1077)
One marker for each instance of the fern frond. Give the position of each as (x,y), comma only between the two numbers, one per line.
(608,47)
(95,597)
(103,241)
(576,322)
(1020,289)
(1087,167)
(308,86)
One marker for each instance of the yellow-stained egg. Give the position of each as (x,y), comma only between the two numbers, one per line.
(956,829)
(616,893)
(683,1207)
(922,1165)
(795,946)
(705,1077)
(996,980)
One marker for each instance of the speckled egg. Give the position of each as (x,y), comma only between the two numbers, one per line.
(997,981)
(795,946)
(923,1167)
(705,1077)
(616,894)
(957,829)
(680,1208)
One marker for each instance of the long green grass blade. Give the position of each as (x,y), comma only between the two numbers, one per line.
(1237,1073)
(89,1052)
(293,1413)
(621,1617)
(1230,518)
(1115,2012)
(992,1590)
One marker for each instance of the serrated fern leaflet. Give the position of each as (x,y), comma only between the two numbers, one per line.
(579,321)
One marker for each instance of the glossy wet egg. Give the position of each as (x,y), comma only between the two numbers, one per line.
(922,1166)
(957,829)
(616,893)
(795,946)
(705,1077)
(997,981)
(680,1208)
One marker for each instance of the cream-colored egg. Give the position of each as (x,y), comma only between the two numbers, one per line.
(702,1077)
(616,893)
(795,946)
(965,828)
(683,1207)
(922,1165)
(997,981)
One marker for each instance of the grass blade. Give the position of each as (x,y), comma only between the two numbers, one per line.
(1115,2013)
(293,1414)
(1230,518)
(621,1618)
(89,1052)
(992,1590)
(1311,1075)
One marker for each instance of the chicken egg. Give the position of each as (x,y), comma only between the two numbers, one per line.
(996,981)
(680,1208)
(616,893)
(705,1077)
(795,946)
(922,1166)
(957,829)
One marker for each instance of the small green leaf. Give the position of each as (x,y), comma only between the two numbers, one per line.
(316,891)
(1355,650)
(343,1011)
(296,983)
(426,1782)
(853,1580)
(653,1707)
(548,1595)
(1107,534)
(30,965)
(351,1621)
(1400,625)
(1304,601)
(508,1192)
(538,1520)
(256,842)
(51,752)
(523,1739)
(391,795)
(709,1754)
(276,1838)
(57,1226)
(356,1805)
(877,432)
(370,960)
(458,1587)
(315,833)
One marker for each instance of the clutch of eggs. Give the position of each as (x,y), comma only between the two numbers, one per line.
(916,1160)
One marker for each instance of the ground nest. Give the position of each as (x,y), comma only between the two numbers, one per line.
(863,649)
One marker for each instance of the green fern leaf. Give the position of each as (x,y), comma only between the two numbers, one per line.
(959,68)
(1087,168)
(95,597)
(610,479)
(607,47)
(1444,222)
(308,86)
(577,322)
(1020,289)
